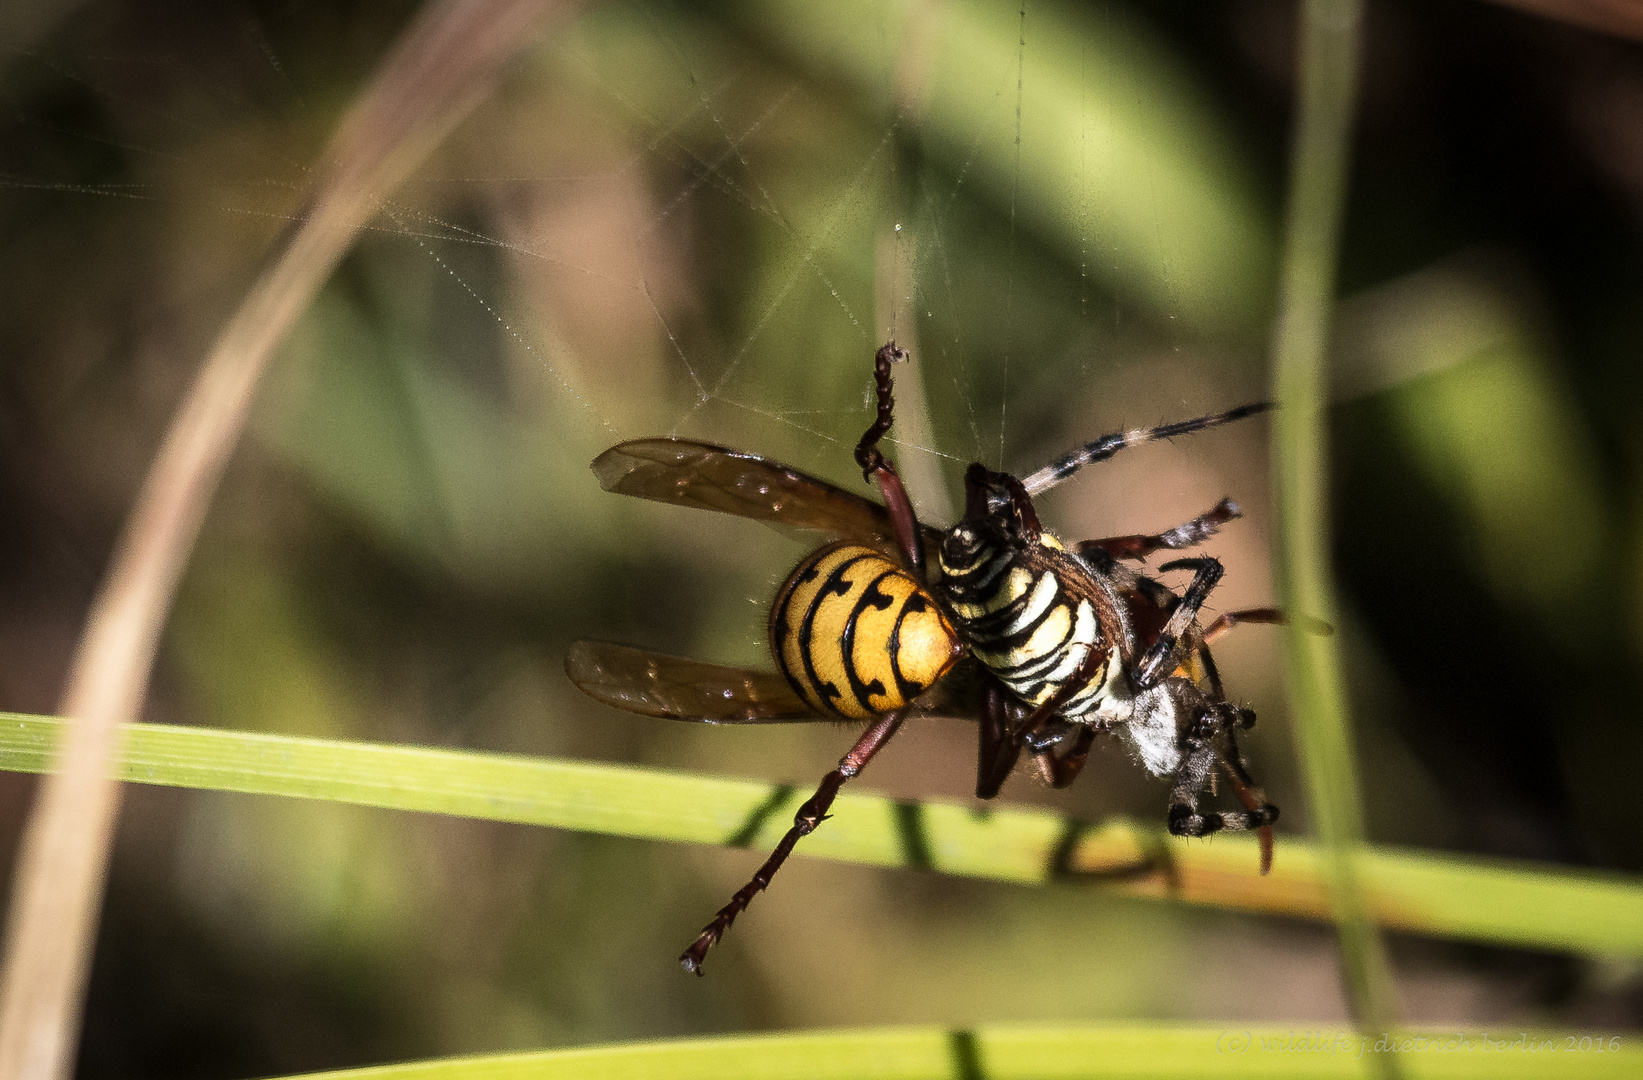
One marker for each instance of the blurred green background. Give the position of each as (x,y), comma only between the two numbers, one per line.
(684,219)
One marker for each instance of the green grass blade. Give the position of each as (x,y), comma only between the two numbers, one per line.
(1317,199)
(1481,900)
(1045,1053)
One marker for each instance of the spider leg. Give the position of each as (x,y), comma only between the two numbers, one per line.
(1107,445)
(1185,535)
(1042,729)
(1252,797)
(1210,742)
(1264,615)
(877,468)
(1185,820)
(1061,771)
(1158,661)
(811,814)
(999,750)
(986,491)
(1212,674)
(1044,713)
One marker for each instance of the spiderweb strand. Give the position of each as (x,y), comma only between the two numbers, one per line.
(508,328)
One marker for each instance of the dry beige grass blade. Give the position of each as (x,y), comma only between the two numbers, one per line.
(1622,18)
(443,64)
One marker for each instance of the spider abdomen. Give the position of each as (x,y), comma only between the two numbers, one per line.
(1033,617)
(856,635)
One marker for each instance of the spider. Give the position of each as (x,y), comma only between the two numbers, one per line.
(1059,644)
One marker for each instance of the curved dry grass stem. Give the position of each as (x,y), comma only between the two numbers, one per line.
(443,64)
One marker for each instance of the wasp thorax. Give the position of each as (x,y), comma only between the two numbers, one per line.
(856,635)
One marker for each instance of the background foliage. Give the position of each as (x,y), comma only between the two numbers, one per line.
(674,218)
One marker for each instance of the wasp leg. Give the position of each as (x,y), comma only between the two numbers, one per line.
(1059,771)
(811,814)
(1268,615)
(1185,535)
(867,452)
(999,750)
(876,468)
(1159,660)
(1220,626)
(1252,797)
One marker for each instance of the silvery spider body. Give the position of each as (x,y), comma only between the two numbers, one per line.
(1083,644)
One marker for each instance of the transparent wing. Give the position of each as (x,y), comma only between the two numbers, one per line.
(709,477)
(672,687)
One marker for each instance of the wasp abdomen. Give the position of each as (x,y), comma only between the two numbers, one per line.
(856,635)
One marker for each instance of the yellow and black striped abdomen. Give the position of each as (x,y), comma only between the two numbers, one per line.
(1031,617)
(856,635)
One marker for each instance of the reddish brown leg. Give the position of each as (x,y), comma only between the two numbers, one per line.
(811,814)
(1251,797)
(1042,715)
(1187,534)
(999,749)
(1058,772)
(1233,618)
(876,468)
(1253,800)
(902,516)
(1061,771)
(1263,615)
(1212,674)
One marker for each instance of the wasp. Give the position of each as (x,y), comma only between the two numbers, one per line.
(1057,644)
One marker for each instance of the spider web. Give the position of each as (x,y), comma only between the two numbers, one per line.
(732,218)
(744,212)
(663,224)
(667,222)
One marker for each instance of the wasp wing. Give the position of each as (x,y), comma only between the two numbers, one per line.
(708,477)
(672,687)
